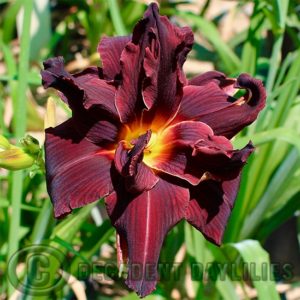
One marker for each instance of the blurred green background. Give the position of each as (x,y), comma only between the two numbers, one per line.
(258,37)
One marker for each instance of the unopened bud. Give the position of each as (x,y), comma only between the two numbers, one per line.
(4,143)
(50,117)
(30,145)
(15,159)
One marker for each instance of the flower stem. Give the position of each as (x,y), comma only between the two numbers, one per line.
(19,123)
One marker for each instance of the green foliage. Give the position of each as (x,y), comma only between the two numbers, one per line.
(267,48)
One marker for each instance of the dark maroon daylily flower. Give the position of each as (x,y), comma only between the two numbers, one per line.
(154,144)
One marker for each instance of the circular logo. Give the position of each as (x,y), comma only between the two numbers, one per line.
(37,270)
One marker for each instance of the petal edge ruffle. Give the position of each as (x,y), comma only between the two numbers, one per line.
(210,103)
(110,49)
(189,150)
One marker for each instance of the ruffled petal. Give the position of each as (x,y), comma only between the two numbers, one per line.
(209,102)
(174,157)
(90,98)
(110,49)
(81,89)
(210,207)
(220,164)
(190,150)
(217,77)
(129,100)
(97,92)
(128,96)
(157,51)
(77,171)
(138,176)
(164,58)
(143,221)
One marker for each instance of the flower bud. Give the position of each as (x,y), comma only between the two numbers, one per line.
(15,159)
(4,143)
(30,145)
(50,117)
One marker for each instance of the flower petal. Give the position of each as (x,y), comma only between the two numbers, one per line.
(128,98)
(97,91)
(209,103)
(175,154)
(192,152)
(85,88)
(144,221)
(210,207)
(97,127)
(77,171)
(199,101)
(157,51)
(220,164)
(138,176)
(217,77)
(164,58)
(98,120)
(110,49)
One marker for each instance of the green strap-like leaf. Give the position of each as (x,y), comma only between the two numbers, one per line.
(284,134)
(257,261)
(227,289)
(278,184)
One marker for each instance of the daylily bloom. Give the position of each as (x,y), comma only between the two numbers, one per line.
(153,143)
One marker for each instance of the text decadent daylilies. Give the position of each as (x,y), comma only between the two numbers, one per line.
(153,143)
